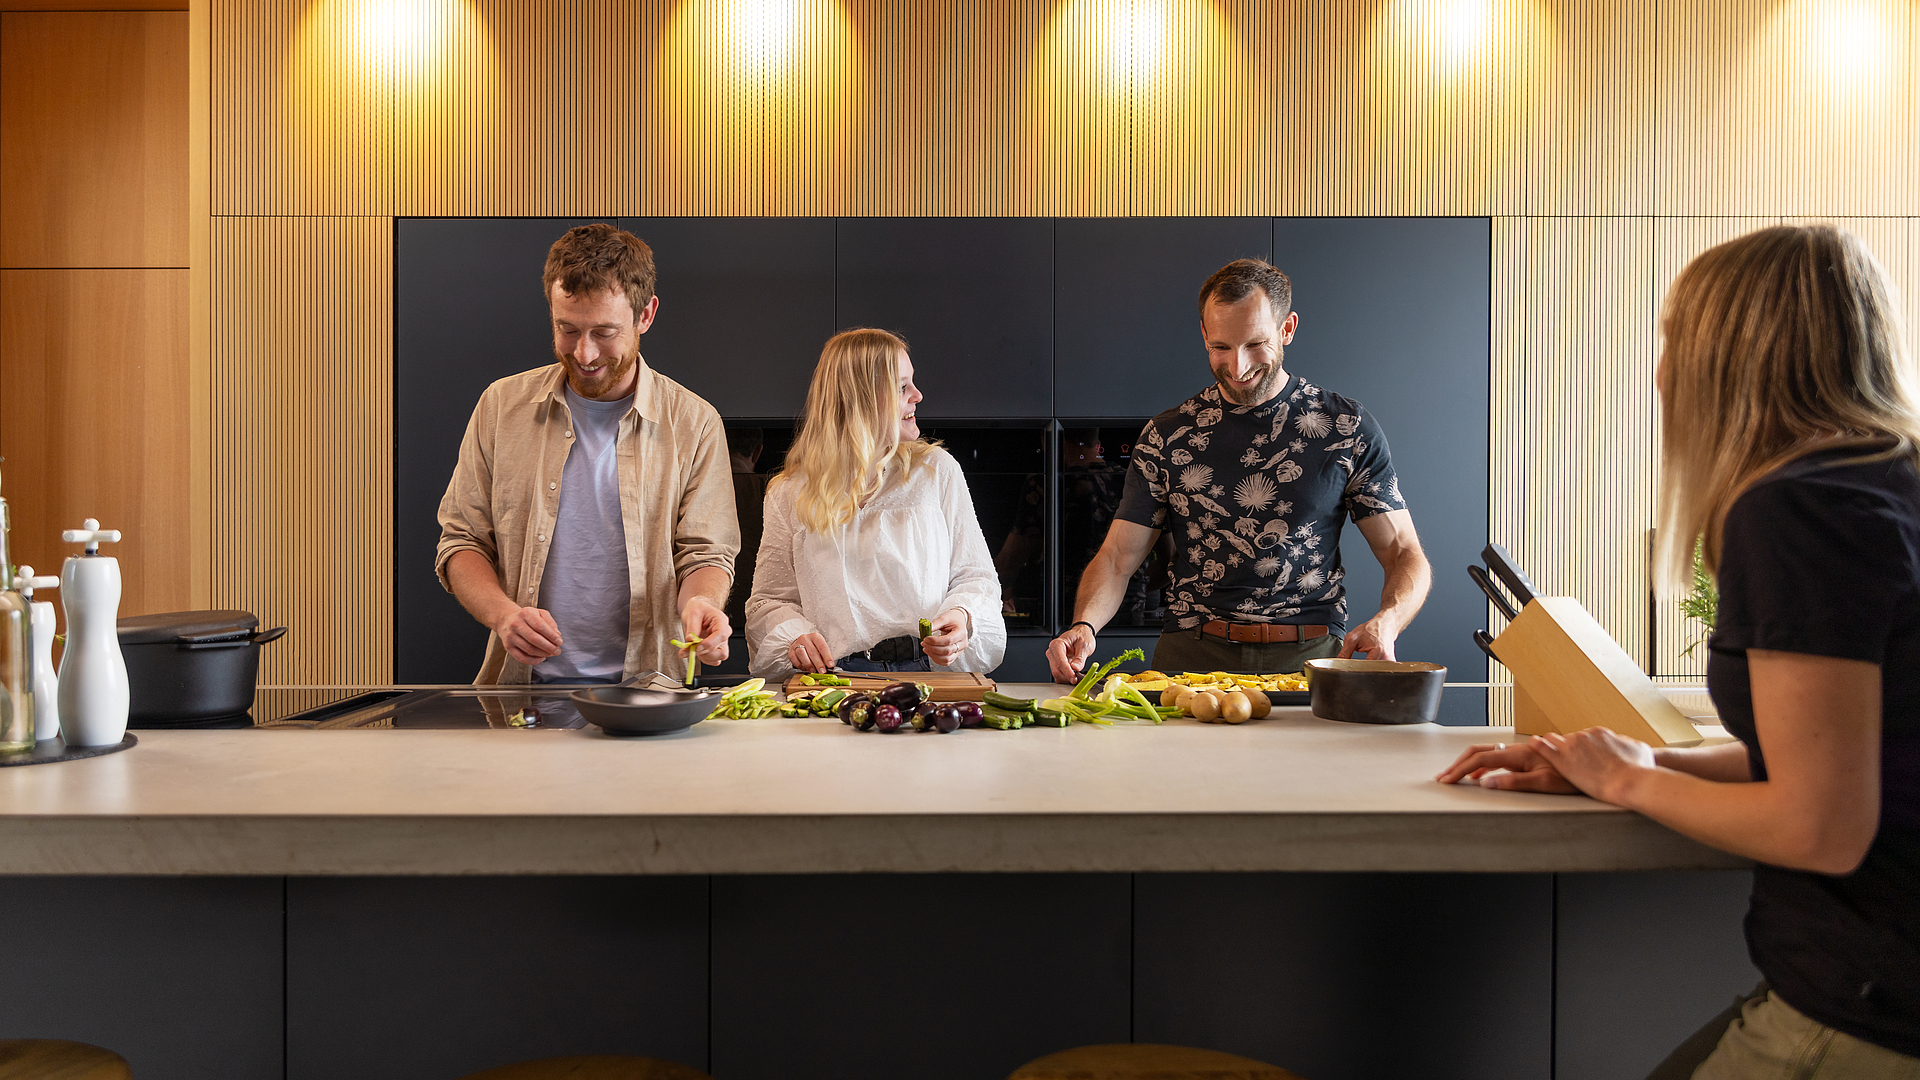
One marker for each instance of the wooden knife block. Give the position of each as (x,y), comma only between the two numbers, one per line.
(1569,674)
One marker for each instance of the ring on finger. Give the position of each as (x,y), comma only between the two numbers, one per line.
(1499,746)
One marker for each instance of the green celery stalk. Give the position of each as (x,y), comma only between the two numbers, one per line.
(1082,690)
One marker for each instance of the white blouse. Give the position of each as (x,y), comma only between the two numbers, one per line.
(914,551)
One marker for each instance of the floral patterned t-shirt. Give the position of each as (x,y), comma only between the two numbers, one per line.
(1254,497)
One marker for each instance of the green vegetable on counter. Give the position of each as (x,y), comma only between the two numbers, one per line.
(748,701)
(827,702)
(825,680)
(996,700)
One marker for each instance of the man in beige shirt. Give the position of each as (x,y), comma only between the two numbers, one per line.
(590,518)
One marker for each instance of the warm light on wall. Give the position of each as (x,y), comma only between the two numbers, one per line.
(744,89)
(389,32)
(1453,37)
(1148,86)
(1858,42)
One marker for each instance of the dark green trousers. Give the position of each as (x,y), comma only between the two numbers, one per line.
(1191,650)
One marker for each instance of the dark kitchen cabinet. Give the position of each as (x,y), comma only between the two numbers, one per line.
(745,304)
(973,298)
(1126,327)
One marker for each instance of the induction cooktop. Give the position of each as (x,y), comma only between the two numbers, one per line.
(335,708)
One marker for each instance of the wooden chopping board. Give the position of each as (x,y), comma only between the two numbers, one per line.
(947,685)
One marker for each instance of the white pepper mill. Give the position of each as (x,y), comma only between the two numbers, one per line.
(46,692)
(93,673)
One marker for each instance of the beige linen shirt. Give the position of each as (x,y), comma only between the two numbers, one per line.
(676,501)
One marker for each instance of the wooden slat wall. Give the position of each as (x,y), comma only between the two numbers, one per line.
(1610,141)
(302,375)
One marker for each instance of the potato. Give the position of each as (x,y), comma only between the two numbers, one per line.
(1261,706)
(1236,709)
(1204,706)
(1171,695)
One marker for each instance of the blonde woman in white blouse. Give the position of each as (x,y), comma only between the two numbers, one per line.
(869,529)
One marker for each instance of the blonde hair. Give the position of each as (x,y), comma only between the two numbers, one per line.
(849,435)
(1780,343)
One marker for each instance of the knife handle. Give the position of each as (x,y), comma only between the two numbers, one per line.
(1485,641)
(1500,561)
(1481,579)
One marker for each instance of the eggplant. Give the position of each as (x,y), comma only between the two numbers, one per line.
(857,711)
(845,709)
(971,714)
(922,718)
(886,718)
(901,695)
(946,719)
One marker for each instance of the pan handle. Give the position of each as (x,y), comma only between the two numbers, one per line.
(274,634)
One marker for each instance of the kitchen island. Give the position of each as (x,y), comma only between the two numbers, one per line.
(1291,792)
(792,898)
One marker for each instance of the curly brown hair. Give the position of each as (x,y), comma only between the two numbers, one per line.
(601,258)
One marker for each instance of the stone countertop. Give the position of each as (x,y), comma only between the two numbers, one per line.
(1288,793)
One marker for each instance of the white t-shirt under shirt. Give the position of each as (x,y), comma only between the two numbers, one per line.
(585,586)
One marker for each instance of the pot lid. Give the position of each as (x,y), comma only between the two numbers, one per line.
(170,626)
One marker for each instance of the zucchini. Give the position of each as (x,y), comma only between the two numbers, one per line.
(1009,704)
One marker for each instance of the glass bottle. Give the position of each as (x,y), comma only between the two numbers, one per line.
(16,653)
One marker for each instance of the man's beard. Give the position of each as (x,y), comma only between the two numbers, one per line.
(1261,392)
(609,376)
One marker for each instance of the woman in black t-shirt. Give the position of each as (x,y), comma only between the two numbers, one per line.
(1791,434)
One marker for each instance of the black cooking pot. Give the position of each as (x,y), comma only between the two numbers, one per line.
(191,665)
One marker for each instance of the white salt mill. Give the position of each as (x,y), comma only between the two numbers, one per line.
(93,673)
(46,704)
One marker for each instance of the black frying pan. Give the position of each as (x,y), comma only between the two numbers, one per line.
(641,706)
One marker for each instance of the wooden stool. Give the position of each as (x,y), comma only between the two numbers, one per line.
(1147,1061)
(597,1067)
(57,1059)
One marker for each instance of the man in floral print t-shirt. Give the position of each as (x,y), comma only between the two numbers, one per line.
(1252,479)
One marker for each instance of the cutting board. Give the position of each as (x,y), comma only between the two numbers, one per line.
(947,685)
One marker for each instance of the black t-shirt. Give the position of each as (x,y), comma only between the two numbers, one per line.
(1823,557)
(1254,497)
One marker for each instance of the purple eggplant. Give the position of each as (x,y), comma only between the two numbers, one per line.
(946,719)
(846,706)
(901,695)
(922,718)
(971,714)
(886,718)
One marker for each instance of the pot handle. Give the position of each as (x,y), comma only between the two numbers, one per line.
(261,638)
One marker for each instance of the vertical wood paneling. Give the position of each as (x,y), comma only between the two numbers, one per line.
(1798,106)
(1078,135)
(1589,147)
(1572,442)
(94,393)
(302,372)
(93,139)
(1196,128)
(302,108)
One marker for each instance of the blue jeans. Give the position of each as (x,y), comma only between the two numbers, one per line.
(861,663)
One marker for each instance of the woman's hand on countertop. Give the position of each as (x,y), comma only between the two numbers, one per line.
(1597,760)
(1526,769)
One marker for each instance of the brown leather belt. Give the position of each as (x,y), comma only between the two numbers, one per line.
(1263,633)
